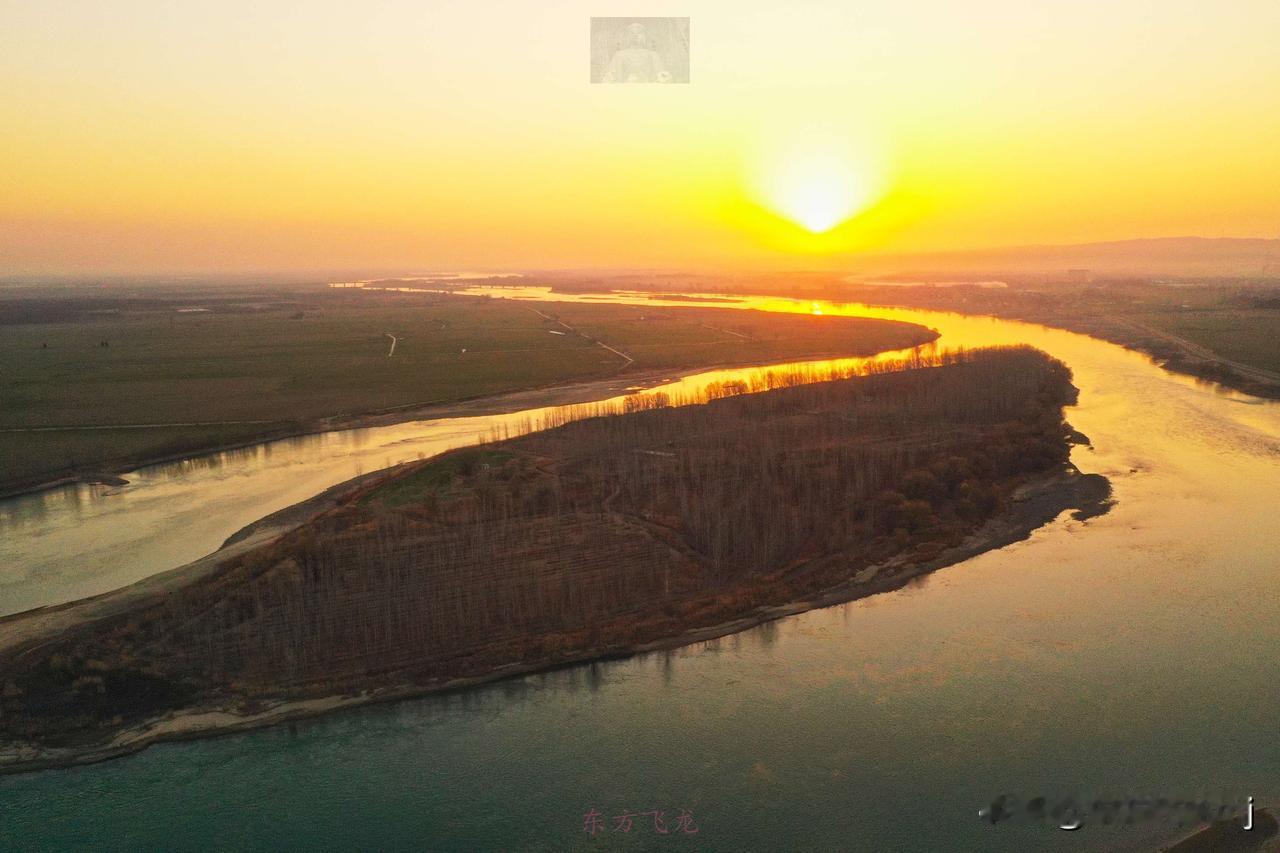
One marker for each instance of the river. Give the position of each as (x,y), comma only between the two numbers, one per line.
(1135,654)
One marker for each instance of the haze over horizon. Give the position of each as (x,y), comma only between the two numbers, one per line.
(149,137)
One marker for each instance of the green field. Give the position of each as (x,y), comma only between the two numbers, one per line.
(240,369)
(1247,335)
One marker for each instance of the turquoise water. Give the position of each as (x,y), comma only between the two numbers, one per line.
(1132,655)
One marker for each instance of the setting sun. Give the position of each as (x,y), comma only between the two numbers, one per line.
(818,194)
(817,184)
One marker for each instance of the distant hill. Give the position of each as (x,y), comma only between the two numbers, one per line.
(1169,256)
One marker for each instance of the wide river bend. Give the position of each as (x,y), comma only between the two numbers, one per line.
(1136,654)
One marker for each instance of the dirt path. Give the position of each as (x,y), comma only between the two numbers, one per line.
(627,360)
(728,332)
(1196,350)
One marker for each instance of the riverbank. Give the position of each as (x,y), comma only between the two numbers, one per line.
(556,394)
(75,414)
(633,538)
(1169,351)
(1037,503)
(1179,355)
(1140,317)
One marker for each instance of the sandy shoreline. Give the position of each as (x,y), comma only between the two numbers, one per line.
(1035,504)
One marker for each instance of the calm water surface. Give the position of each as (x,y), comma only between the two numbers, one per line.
(1136,654)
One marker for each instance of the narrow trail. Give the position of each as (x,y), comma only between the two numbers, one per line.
(1194,349)
(728,332)
(627,360)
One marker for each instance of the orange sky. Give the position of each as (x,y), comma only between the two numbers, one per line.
(200,136)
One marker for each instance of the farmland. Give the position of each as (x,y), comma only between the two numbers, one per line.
(1250,336)
(111,382)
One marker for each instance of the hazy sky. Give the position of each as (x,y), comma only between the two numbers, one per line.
(429,135)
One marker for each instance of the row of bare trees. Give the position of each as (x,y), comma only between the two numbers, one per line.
(606,528)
